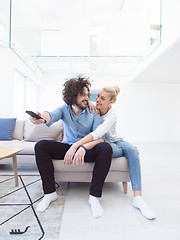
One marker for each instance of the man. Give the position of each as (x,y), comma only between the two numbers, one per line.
(78,123)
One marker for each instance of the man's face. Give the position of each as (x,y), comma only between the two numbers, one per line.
(82,99)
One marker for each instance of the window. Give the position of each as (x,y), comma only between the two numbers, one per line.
(25,95)
(19,95)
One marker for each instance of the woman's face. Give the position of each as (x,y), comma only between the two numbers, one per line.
(103,101)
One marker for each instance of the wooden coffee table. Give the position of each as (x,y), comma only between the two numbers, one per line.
(11,152)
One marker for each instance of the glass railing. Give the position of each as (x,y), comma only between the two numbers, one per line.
(49,33)
(4,23)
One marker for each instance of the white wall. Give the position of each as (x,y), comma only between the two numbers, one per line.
(50,94)
(150,112)
(52,87)
(147,112)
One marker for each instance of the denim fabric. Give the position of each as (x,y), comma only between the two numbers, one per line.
(121,148)
(75,127)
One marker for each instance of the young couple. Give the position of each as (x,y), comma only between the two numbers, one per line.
(88,137)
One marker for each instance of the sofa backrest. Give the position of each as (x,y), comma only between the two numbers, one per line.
(18,132)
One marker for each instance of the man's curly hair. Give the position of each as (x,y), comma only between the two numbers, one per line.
(73,87)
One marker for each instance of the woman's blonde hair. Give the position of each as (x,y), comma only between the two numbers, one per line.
(113,92)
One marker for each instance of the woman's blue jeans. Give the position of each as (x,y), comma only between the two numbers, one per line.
(121,148)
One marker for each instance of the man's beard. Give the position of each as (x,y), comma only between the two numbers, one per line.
(82,107)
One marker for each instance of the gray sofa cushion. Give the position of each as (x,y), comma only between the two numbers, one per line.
(35,133)
(9,143)
(28,147)
(117,164)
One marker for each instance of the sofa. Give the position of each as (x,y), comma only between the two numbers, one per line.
(25,135)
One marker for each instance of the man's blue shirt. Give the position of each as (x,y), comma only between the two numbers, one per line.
(75,127)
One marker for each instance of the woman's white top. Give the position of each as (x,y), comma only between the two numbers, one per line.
(107,128)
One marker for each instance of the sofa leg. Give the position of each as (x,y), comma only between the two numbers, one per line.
(125,187)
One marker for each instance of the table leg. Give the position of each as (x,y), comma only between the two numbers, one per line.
(15,169)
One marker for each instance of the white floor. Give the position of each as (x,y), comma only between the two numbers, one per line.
(160,164)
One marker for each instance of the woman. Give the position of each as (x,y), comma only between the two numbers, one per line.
(106,97)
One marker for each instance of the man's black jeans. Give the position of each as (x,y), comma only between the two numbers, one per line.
(46,150)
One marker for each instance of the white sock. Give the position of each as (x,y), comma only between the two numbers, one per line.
(96,209)
(47,199)
(139,203)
